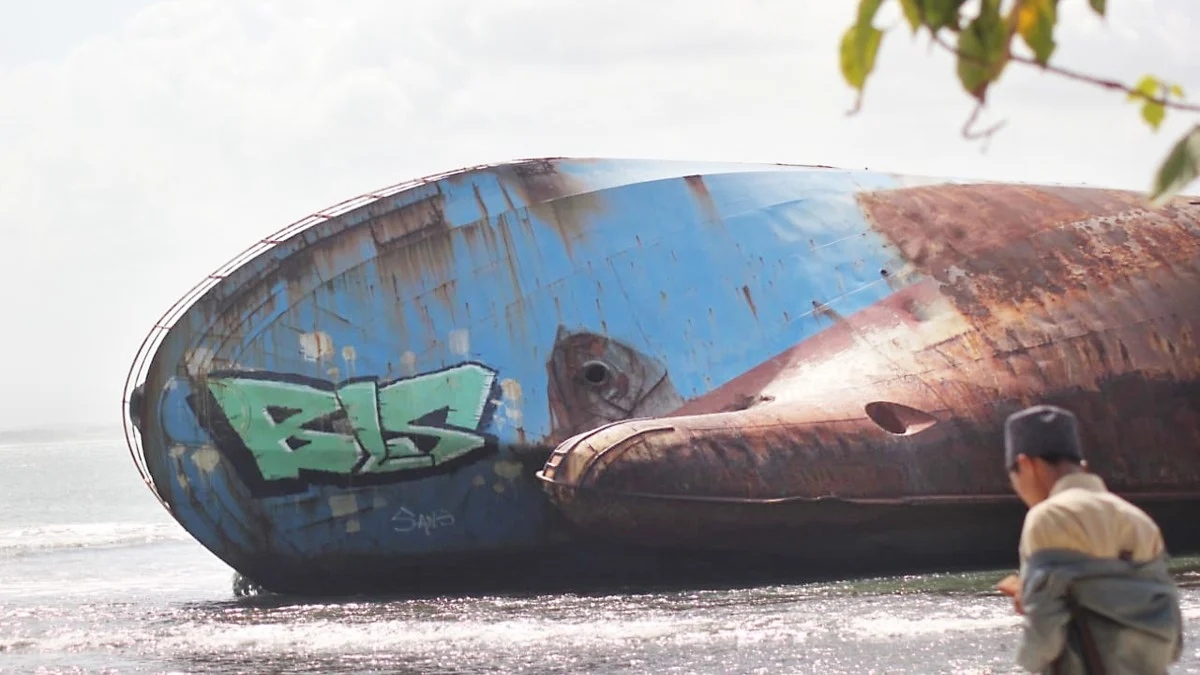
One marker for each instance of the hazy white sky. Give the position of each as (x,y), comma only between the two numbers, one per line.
(144,143)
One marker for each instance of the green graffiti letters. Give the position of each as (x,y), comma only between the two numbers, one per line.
(358,427)
(271,416)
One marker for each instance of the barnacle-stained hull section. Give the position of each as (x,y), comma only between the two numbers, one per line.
(740,370)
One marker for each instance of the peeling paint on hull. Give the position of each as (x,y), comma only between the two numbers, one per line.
(722,357)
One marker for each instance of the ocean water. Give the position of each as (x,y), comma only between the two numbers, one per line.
(96,577)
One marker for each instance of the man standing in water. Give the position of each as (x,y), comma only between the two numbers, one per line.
(1093,586)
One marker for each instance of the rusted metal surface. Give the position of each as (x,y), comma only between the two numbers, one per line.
(1015,295)
(740,354)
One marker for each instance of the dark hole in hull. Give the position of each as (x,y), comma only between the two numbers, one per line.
(899,419)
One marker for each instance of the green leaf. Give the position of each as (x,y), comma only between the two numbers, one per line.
(1181,167)
(1177,91)
(1146,87)
(1148,90)
(941,13)
(860,44)
(1098,5)
(866,12)
(912,12)
(1035,22)
(1153,113)
(983,50)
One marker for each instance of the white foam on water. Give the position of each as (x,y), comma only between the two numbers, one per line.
(341,637)
(337,637)
(888,627)
(86,535)
(71,443)
(822,636)
(1189,606)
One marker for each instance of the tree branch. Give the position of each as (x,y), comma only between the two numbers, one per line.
(985,134)
(1071,74)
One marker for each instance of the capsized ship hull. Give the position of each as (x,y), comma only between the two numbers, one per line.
(564,371)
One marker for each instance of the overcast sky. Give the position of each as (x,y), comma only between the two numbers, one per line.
(144,143)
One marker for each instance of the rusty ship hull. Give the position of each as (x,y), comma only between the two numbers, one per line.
(555,372)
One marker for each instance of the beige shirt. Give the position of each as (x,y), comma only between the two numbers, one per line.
(1082,515)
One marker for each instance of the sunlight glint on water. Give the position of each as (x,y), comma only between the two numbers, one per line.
(94,575)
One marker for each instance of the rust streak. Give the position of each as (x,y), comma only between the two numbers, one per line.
(507,198)
(700,193)
(483,210)
(750,301)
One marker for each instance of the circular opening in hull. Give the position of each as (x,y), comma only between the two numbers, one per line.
(595,373)
(899,419)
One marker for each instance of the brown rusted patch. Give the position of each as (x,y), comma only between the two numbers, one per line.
(1041,268)
(398,225)
(776,452)
(562,202)
(427,260)
(1092,200)
(703,197)
(1024,241)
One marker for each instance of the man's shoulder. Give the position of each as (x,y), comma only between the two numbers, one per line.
(1113,503)
(1055,506)
(1070,502)
(1122,503)
(1058,520)
(1083,520)
(1043,520)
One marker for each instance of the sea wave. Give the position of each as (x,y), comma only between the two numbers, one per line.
(42,538)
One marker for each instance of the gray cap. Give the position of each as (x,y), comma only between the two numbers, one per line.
(1042,431)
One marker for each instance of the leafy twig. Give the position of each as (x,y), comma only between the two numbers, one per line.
(1074,75)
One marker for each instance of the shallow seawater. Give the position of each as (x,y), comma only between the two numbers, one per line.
(95,577)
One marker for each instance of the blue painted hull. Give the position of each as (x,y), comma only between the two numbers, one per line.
(365,401)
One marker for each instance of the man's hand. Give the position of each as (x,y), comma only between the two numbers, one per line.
(1011,586)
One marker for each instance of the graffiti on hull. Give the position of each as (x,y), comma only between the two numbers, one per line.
(283,432)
